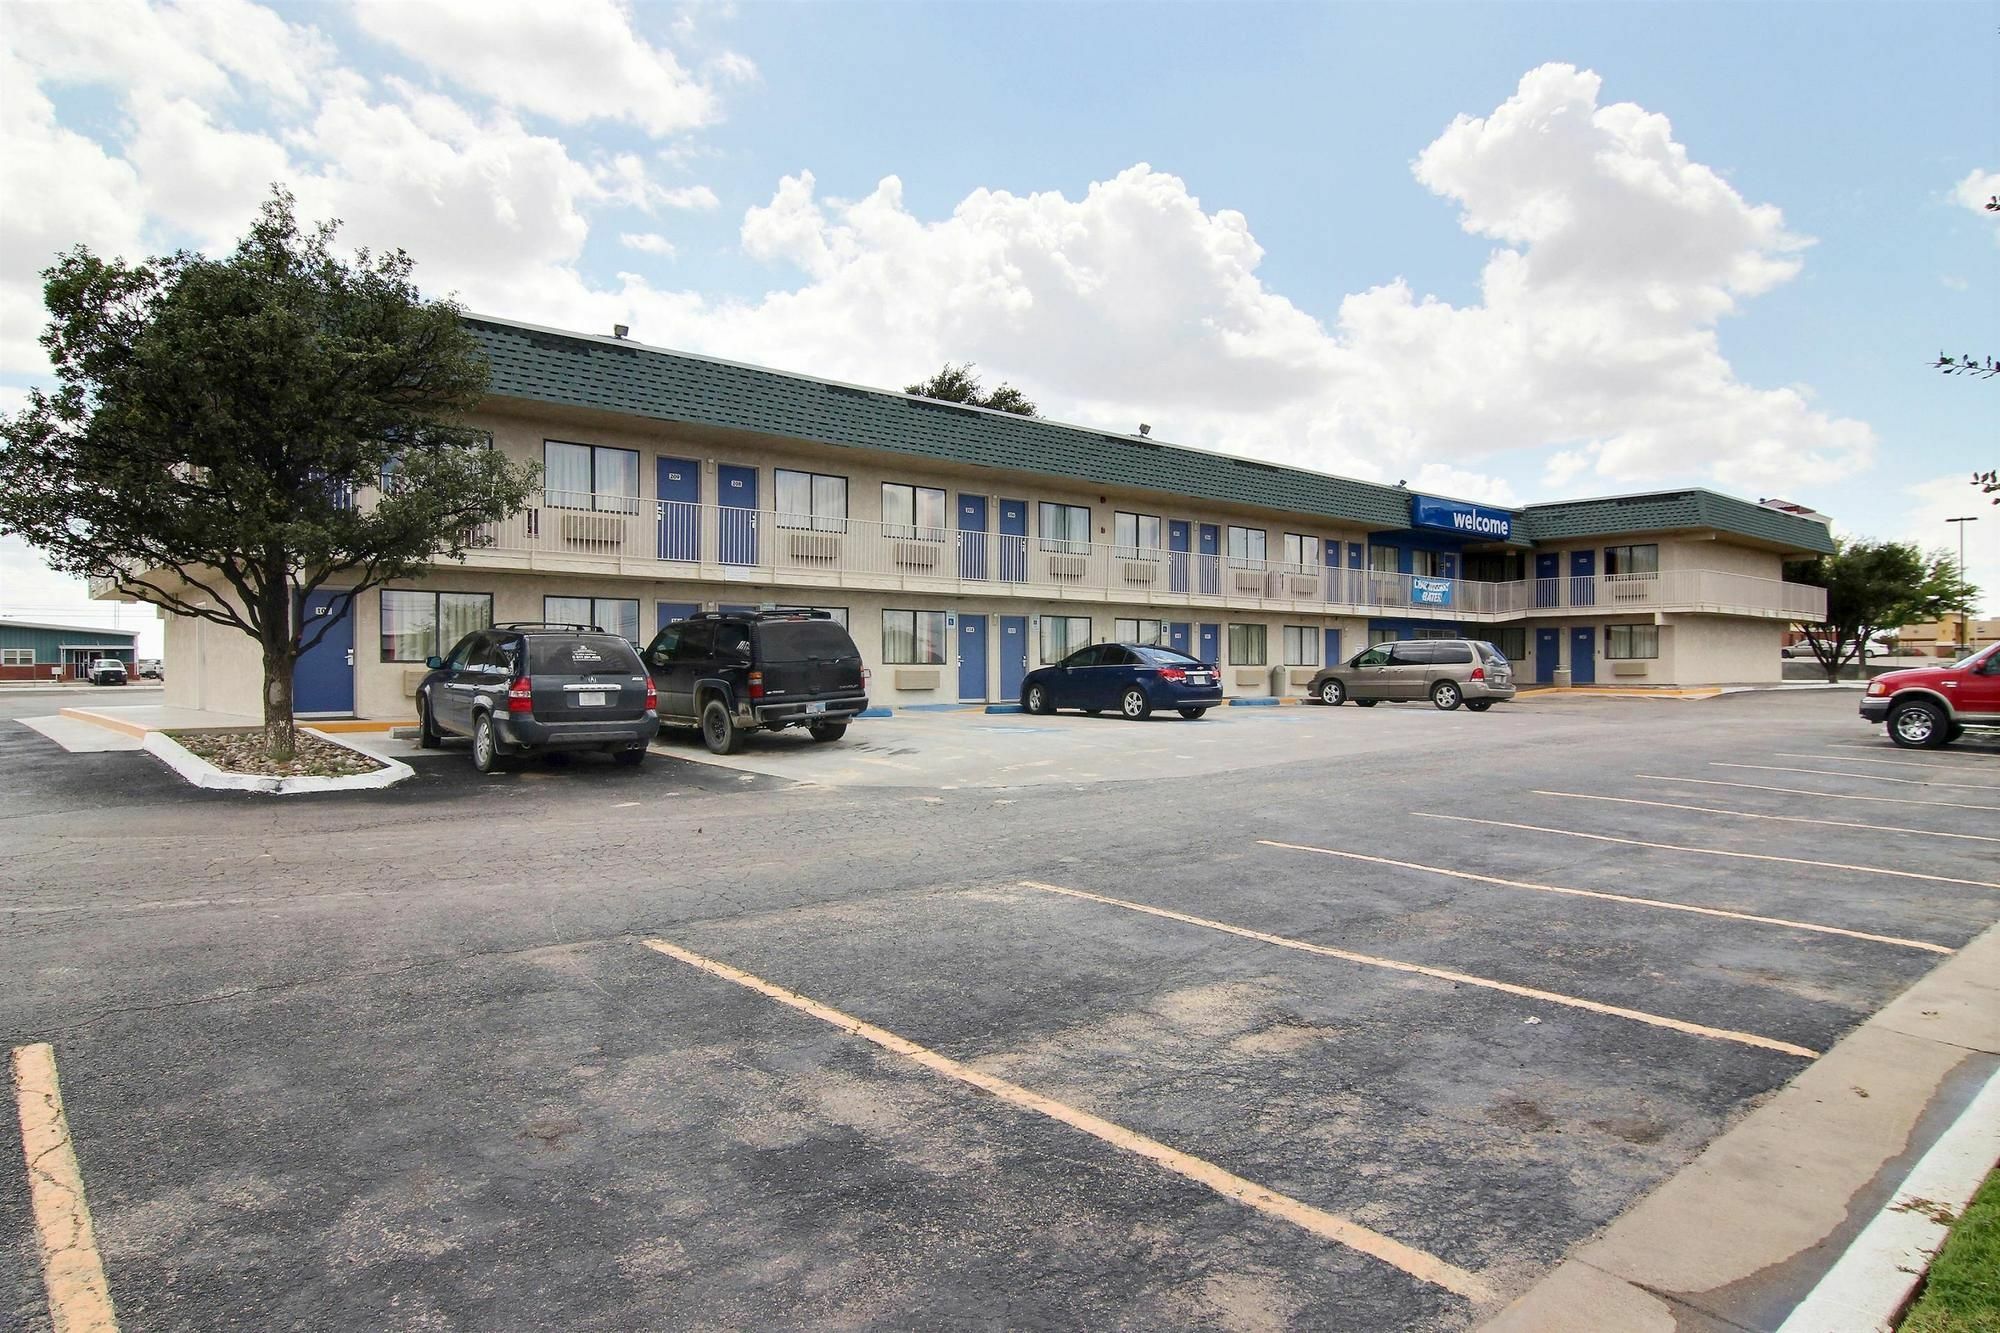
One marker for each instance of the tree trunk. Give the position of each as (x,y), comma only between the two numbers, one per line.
(281,733)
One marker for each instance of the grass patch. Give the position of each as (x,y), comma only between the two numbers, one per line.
(1961,1294)
(243,752)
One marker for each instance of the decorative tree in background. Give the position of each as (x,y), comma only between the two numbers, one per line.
(957,384)
(1873,586)
(218,421)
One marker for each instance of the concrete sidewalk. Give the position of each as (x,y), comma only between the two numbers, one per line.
(1743,1233)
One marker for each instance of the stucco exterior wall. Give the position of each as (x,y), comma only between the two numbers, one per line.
(213,667)
(1722,650)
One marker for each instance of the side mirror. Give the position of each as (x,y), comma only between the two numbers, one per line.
(434,661)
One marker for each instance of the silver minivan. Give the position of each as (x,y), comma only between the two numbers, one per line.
(1448,672)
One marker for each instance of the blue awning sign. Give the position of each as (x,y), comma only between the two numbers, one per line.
(1457,516)
(1430,592)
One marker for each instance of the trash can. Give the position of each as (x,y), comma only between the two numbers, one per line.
(1278,682)
(1562,678)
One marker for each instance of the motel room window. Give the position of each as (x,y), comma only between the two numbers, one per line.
(1136,535)
(913,638)
(1246,547)
(913,512)
(810,500)
(614,615)
(1377,636)
(1626,642)
(1249,645)
(1065,529)
(1301,646)
(1632,560)
(1427,564)
(420,625)
(1301,553)
(1512,642)
(17,657)
(1152,633)
(590,476)
(1382,559)
(1063,635)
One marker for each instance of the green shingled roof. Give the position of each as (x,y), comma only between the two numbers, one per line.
(1669,510)
(578,370)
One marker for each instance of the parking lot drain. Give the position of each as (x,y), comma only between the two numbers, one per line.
(1330,1226)
(1441,974)
(1660,903)
(72,1272)
(1823,795)
(1782,819)
(1713,851)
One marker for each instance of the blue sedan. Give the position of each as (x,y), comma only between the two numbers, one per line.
(1133,678)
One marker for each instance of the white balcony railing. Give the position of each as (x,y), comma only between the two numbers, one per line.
(668,538)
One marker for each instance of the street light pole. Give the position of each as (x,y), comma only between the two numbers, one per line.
(1964,639)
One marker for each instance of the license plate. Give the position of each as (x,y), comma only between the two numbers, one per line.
(590,699)
(1198,678)
(816,708)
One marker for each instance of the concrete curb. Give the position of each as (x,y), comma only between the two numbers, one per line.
(1003,708)
(879,711)
(1742,1235)
(193,768)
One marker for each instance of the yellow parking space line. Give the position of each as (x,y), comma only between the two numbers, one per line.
(1439,973)
(1782,819)
(1329,1226)
(1823,795)
(1713,851)
(72,1272)
(1871,777)
(1661,903)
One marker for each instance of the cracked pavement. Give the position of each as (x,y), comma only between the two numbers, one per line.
(400,1060)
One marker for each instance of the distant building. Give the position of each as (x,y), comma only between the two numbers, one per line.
(30,651)
(1940,638)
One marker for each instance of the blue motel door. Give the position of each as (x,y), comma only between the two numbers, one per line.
(971,659)
(679,489)
(1013,655)
(1548,653)
(972,536)
(1583,656)
(738,488)
(1178,636)
(1013,541)
(323,679)
(1211,645)
(1177,556)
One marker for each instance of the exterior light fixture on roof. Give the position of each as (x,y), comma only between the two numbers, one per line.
(1145,429)
(620,330)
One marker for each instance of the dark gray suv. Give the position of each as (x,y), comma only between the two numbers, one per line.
(539,688)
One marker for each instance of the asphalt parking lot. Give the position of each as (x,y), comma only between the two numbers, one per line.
(1285,1018)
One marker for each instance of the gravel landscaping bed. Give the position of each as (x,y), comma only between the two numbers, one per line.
(243,752)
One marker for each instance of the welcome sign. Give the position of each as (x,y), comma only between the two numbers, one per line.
(1468,520)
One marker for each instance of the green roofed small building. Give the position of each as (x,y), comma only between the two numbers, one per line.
(30,650)
(962,546)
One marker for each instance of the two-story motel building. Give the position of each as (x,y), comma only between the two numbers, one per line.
(962,546)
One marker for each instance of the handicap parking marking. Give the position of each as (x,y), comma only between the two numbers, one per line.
(1783,819)
(72,1271)
(1661,903)
(1871,777)
(1712,851)
(1317,1221)
(1441,974)
(1823,795)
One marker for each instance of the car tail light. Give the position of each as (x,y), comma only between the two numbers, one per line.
(756,685)
(865,673)
(1174,674)
(521,696)
(1478,673)
(652,695)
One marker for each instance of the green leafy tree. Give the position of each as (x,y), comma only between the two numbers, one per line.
(222,432)
(957,384)
(1873,586)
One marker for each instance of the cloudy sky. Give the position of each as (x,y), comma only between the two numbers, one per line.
(1508,252)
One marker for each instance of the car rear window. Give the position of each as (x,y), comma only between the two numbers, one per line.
(551,655)
(1490,653)
(796,640)
(1166,657)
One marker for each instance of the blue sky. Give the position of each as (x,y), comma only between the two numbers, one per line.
(1737,232)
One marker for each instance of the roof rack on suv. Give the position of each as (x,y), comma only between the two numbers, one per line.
(764,613)
(551,624)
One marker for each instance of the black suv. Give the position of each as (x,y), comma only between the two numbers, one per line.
(729,673)
(539,687)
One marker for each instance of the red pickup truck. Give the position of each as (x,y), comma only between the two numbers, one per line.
(1931,706)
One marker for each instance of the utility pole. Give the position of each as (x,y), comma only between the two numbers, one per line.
(1964,614)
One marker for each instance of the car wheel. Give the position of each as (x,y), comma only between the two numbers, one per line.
(485,745)
(1917,725)
(1036,700)
(1445,696)
(1955,732)
(1192,713)
(1135,705)
(1366,703)
(428,737)
(1479,705)
(719,731)
(827,731)
(629,758)
(1332,693)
